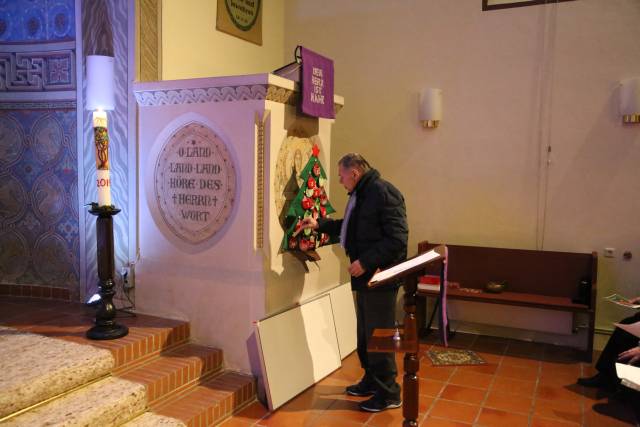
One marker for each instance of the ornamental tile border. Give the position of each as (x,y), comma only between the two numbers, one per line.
(37,105)
(37,71)
(153,98)
(200,95)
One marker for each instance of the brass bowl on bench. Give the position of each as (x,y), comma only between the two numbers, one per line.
(495,287)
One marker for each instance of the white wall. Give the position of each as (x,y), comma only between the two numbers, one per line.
(514,81)
(192,47)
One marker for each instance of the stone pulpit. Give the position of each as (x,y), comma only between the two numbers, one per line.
(218,160)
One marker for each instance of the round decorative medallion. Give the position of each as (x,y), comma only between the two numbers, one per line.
(47,198)
(32,21)
(48,138)
(13,199)
(243,13)
(293,155)
(14,256)
(52,259)
(11,140)
(194,183)
(59,21)
(5,26)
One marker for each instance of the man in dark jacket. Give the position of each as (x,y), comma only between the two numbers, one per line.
(374,235)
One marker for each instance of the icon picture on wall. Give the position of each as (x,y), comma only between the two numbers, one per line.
(241,18)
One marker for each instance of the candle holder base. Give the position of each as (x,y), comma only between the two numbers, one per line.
(105,327)
(107,332)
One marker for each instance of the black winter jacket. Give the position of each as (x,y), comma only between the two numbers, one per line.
(377,232)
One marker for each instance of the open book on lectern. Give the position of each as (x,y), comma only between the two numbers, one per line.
(407,267)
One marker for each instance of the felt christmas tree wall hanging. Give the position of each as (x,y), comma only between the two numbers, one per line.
(311,200)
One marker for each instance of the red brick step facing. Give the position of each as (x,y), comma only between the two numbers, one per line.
(183,380)
(174,371)
(212,401)
(143,344)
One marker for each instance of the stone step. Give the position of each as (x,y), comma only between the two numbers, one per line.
(148,335)
(212,401)
(153,367)
(108,402)
(175,371)
(36,368)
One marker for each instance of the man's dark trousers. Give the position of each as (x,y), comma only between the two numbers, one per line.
(376,309)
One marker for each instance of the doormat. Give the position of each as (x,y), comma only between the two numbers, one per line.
(454,357)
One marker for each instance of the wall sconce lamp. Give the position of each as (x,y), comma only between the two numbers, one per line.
(100,98)
(430,112)
(630,100)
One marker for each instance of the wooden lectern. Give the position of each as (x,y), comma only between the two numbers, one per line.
(382,339)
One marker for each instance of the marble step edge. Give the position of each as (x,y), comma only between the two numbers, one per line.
(37,368)
(211,401)
(109,402)
(177,371)
(52,398)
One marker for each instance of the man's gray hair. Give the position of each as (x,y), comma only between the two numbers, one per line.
(354,160)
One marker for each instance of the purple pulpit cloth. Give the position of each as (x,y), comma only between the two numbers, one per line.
(317,84)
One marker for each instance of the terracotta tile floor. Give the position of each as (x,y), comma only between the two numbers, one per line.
(522,384)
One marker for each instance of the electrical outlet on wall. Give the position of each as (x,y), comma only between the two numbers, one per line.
(609,252)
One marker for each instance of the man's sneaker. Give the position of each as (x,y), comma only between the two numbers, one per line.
(361,389)
(377,404)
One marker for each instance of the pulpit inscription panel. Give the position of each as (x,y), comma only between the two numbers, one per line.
(194,183)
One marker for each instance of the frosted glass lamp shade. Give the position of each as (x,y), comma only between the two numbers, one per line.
(430,112)
(630,100)
(100,83)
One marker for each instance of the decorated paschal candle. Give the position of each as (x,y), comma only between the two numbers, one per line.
(100,99)
(101,142)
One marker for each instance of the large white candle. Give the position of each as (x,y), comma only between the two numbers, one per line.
(101,142)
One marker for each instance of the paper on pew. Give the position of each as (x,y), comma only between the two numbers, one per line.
(427,256)
(629,375)
(632,328)
(620,300)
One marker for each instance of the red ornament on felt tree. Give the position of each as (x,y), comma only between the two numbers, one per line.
(311,183)
(307,203)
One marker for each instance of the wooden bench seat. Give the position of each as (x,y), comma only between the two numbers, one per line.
(536,279)
(513,298)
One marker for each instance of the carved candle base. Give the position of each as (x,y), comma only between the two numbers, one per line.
(106,328)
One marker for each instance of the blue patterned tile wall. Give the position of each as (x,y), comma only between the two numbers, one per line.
(37,20)
(38,198)
(39,219)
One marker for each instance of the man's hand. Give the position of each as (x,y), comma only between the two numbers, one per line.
(309,222)
(355,269)
(635,300)
(630,357)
